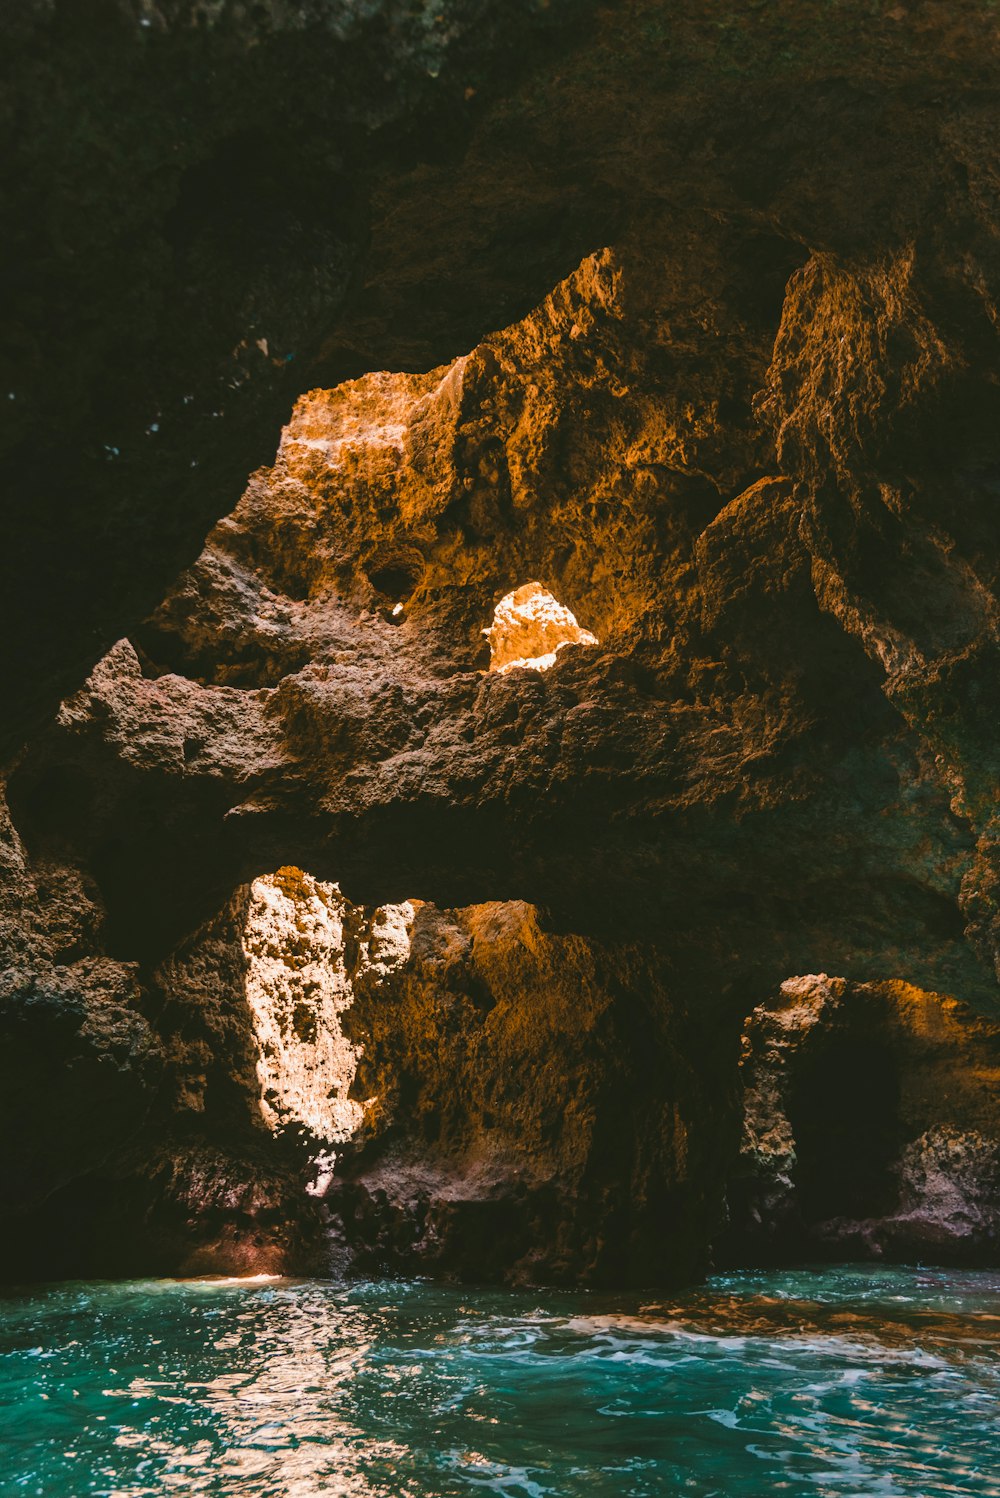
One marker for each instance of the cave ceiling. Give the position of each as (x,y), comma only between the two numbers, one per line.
(212,208)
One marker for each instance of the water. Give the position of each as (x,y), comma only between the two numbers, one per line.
(839,1382)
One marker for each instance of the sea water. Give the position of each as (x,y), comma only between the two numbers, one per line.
(835,1381)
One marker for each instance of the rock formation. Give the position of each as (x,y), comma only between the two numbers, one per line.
(537,1114)
(747,454)
(214,206)
(871,1127)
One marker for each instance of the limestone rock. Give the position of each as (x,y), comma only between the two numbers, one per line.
(377,186)
(950,1194)
(736,713)
(536,1111)
(298,987)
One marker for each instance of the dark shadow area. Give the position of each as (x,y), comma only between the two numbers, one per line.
(844,1111)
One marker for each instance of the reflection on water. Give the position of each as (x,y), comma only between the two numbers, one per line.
(836,1382)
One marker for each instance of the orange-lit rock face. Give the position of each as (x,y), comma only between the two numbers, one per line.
(262,253)
(507,1127)
(529,628)
(315,688)
(298,989)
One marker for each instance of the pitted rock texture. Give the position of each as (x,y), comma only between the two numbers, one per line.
(191,191)
(871,1127)
(81,1063)
(136,1140)
(526,1105)
(741,757)
(298,988)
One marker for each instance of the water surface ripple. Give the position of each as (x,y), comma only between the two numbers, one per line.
(839,1381)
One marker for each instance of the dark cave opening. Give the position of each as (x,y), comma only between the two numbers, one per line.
(397,575)
(843,1107)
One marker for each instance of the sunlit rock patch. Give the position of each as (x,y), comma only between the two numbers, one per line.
(447,1091)
(299,982)
(297,987)
(529,629)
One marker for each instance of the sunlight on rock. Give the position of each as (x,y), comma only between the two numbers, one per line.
(529,629)
(298,988)
(299,983)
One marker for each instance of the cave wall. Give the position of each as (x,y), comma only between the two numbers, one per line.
(136,1143)
(191,192)
(543,1108)
(766,756)
(331,1089)
(730,779)
(750,441)
(75,1040)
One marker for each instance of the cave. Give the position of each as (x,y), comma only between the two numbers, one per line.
(843,1111)
(498,737)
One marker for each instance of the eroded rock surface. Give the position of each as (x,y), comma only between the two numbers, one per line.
(298,987)
(81,1063)
(192,193)
(751,766)
(764,758)
(136,1142)
(213,207)
(400,1089)
(523,1106)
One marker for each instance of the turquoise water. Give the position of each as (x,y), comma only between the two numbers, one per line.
(841,1381)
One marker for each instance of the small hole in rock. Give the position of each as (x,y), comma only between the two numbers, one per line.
(396,579)
(529,629)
